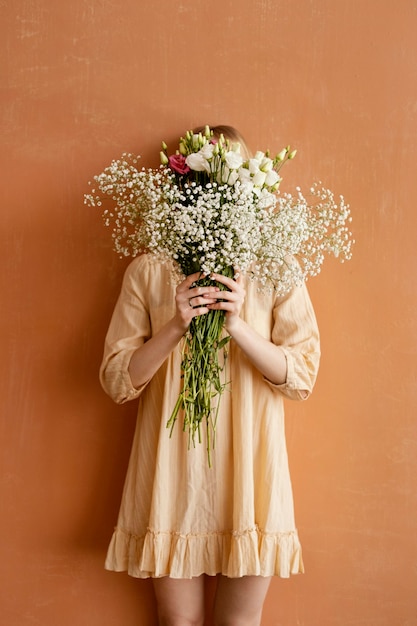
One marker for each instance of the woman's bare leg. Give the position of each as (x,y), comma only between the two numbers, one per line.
(180,601)
(239,601)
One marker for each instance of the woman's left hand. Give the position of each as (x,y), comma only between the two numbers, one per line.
(268,358)
(230,301)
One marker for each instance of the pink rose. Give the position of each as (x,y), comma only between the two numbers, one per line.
(177,164)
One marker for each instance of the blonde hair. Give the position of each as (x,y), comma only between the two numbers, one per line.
(228,132)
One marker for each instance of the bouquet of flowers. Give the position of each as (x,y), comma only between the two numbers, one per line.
(206,209)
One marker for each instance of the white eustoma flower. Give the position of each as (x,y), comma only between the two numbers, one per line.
(233,160)
(272,178)
(230,176)
(259,178)
(207,151)
(254,165)
(266,164)
(197,162)
(244,175)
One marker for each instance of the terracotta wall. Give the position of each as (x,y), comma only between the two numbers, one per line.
(83,81)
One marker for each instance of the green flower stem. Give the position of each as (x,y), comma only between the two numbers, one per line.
(202,387)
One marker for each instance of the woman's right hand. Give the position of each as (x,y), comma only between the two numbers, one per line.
(191,300)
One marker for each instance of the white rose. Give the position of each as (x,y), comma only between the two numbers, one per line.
(197,162)
(233,160)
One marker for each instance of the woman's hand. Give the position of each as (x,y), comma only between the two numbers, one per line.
(268,358)
(230,301)
(192,300)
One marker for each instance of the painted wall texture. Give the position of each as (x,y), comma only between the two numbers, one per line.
(82,82)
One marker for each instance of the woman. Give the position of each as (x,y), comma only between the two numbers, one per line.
(180,519)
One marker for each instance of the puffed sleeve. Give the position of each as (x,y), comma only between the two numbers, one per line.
(129,328)
(295,330)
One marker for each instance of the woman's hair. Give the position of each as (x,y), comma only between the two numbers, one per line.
(228,132)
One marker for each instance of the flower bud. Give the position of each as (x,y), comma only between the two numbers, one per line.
(292,154)
(182,148)
(164,158)
(196,141)
(164,146)
(281,156)
(207,132)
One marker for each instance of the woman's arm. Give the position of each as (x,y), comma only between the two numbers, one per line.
(190,302)
(268,358)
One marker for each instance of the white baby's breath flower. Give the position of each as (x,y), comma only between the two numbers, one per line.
(222,214)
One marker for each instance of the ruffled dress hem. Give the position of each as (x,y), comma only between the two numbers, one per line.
(251,552)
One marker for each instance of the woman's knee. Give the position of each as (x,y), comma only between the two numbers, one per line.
(239,601)
(180,602)
(179,618)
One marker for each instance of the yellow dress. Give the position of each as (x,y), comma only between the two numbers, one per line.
(178,517)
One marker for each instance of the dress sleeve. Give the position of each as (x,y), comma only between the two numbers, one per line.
(295,330)
(129,328)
